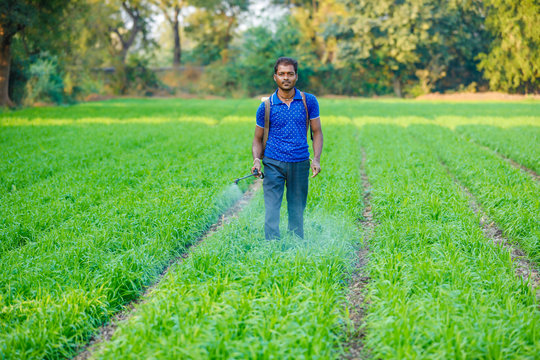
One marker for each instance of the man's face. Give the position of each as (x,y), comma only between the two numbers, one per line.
(285,77)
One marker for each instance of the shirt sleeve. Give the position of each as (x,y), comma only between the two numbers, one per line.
(313,106)
(260,115)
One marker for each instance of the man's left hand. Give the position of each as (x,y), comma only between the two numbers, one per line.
(315,168)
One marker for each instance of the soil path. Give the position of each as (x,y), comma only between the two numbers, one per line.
(106,332)
(524,268)
(360,279)
(515,164)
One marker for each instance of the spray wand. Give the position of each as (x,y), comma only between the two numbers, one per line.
(255,173)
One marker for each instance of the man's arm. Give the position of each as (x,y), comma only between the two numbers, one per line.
(257,148)
(317,145)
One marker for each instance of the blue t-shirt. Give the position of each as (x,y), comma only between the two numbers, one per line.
(287,133)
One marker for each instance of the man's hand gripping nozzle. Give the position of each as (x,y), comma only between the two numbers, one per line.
(255,173)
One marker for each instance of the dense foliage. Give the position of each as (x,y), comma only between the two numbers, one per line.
(366,47)
(513,62)
(429,43)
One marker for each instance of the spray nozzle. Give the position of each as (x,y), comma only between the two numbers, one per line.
(255,173)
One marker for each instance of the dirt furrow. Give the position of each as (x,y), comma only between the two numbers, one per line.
(531,172)
(106,332)
(360,278)
(515,164)
(524,268)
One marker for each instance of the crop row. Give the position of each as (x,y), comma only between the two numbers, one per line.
(76,191)
(130,110)
(439,288)
(48,188)
(238,296)
(509,196)
(94,207)
(99,234)
(520,143)
(33,153)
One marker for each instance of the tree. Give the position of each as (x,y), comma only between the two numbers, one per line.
(448,57)
(412,39)
(171,9)
(212,26)
(259,50)
(124,33)
(513,60)
(122,26)
(17,16)
(311,16)
(383,29)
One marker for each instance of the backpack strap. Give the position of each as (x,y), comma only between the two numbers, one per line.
(266,122)
(267,119)
(307,116)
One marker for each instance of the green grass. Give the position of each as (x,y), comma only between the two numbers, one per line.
(510,197)
(239,296)
(520,143)
(78,242)
(439,288)
(97,198)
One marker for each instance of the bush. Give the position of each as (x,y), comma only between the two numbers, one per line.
(45,82)
(88,85)
(223,79)
(139,77)
(136,78)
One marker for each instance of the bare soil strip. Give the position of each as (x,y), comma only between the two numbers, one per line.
(360,279)
(531,172)
(515,164)
(106,332)
(524,268)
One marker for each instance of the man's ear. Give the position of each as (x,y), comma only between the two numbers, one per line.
(275,78)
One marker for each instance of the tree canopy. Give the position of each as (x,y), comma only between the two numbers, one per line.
(351,47)
(513,60)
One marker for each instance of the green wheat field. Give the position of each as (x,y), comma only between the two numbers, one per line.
(97,199)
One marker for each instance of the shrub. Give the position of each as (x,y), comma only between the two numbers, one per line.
(45,82)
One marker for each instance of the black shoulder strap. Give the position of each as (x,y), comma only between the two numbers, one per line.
(307,116)
(266,122)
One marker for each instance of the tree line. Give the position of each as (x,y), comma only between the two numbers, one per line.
(50,49)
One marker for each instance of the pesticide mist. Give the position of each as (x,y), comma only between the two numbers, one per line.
(229,196)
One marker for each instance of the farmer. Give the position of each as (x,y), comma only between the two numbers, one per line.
(286,152)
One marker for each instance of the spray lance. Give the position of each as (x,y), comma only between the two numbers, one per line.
(255,173)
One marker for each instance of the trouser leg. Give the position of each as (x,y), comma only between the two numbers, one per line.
(297,190)
(273,185)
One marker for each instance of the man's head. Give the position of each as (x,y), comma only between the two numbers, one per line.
(285,73)
(286,61)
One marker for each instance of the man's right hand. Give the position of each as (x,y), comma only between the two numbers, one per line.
(256,165)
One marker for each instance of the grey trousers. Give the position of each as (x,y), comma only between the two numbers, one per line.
(277,174)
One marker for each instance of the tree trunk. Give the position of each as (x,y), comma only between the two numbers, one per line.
(397,86)
(135,16)
(5,65)
(228,37)
(177,55)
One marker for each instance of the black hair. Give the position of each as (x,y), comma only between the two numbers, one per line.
(286,61)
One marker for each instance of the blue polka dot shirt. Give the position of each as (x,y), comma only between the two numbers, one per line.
(287,134)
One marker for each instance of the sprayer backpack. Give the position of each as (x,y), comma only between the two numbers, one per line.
(267,106)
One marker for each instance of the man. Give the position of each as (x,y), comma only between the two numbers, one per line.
(286,156)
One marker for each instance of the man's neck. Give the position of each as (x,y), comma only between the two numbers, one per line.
(286,95)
